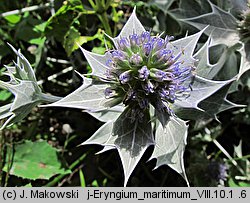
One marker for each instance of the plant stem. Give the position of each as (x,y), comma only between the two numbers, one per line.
(60,177)
(100,8)
(10,155)
(228,156)
(108,3)
(105,22)
(54,76)
(92,4)
(49,98)
(105,173)
(27,9)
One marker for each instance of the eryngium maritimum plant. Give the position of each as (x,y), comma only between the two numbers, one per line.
(23,85)
(139,89)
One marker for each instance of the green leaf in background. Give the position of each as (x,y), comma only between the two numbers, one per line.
(13,19)
(232,183)
(28,185)
(3,48)
(82,179)
(98,50)
(4,95)
(36,160)
(73,39)
(25,30)
(40,27)
(95,184)
(59,24)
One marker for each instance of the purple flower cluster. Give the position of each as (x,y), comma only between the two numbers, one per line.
(144,70)
(217,170)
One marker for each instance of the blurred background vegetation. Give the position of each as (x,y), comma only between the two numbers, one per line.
(43,149)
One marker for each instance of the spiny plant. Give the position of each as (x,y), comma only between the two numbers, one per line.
(228,26)
(145,89)
(23,85)
(142,89)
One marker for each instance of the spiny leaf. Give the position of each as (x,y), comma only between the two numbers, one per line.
(35,160)
(191,8)
(133,25)
(230,68)
(5,111)
(210,107)
(130,138)
(186,46)
(238,150)
(22,69)
(97,62)
(170,142)
(23,85)
(129,161)
(26,92)
(15,116)
(204,68)
(26,97)
(90,96)
(201,89)
(222,26)
(245,59)
(162,116)
(223,30)
(106,148)
(163,5)
(109,114)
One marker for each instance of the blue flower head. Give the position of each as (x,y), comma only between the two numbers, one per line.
(148,78)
